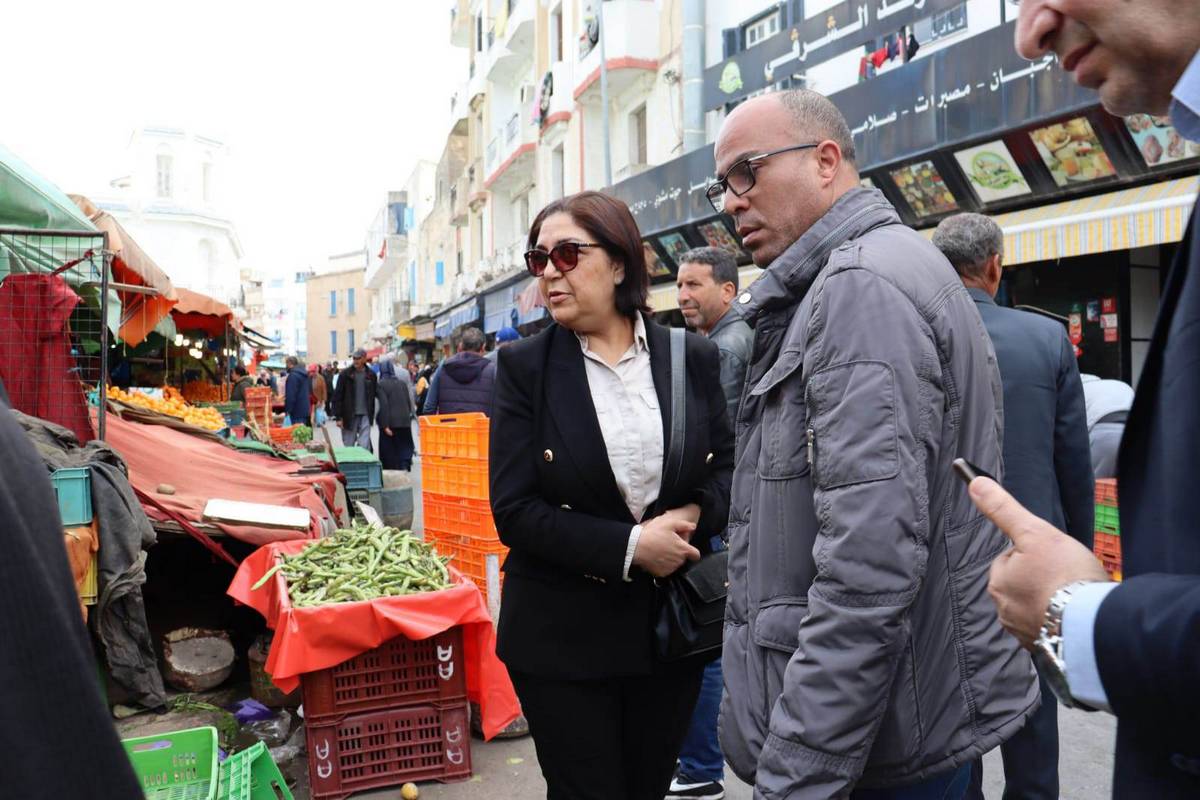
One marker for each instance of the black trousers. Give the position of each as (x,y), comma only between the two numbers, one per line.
(608,739)
(1030,757)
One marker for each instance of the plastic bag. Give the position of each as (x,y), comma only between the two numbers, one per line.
(273,732)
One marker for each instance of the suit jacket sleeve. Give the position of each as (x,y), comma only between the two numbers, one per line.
(713,494)
(1072,449)
(578,543)
(1145,639)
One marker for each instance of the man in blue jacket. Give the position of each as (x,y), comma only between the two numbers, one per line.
(1047,457)
(1134,647)
(297,392)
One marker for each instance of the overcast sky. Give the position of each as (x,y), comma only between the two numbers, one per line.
(324,106)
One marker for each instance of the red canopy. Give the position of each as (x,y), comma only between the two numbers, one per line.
(198,312)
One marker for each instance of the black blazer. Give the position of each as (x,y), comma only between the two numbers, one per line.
(566,612)
(1147,632)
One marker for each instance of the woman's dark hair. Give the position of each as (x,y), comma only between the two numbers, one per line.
(608,221)
(240,371)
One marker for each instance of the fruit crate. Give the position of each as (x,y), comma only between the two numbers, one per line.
(476,559)
(252,775)
(1108,520)
(460,515)
(400,672)
(282,435)
(455,436)
(1106,492)
(387,748)
(181,765)
(73,487)
(361,468)
(456,477)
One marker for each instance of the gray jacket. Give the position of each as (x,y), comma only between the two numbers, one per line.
(861,646)
(735,341)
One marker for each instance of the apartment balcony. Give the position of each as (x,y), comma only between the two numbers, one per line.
(460,195)
(512,54)
(460,23)
(631,30)
(516,159)
(477,196)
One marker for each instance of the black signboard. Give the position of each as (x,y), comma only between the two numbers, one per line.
(823,36)
(671,194)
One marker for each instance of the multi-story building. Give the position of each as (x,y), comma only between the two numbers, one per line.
(391,275)
(169,198)
(338,308)
(285,310)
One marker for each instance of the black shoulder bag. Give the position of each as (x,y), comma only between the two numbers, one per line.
(690,614)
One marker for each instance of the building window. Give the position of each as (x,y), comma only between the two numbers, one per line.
(349,301)
(350,341)
(637,136)
(439,273)
(333,302)
(556,35)
(163,173)
(333,343)
(759,30)
(479,33)
(941,25)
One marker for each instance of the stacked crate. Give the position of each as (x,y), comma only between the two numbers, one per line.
(363,473)
(456,501)
(1107,539)
(394,714)
(73,490)
(258,406)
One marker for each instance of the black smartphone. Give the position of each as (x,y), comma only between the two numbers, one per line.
(969,472)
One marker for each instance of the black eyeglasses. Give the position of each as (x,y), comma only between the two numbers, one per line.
(565,256)
(739,178)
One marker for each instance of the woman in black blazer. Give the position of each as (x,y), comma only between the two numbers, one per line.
(580,430)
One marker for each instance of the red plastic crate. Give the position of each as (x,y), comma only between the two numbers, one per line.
(455,477)
(470,557)
(1106,546)
(386,748)
(460,515)
(400,672)
(455,436)
(1106,492)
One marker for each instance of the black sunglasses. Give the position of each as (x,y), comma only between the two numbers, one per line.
(565,256)
(739,178)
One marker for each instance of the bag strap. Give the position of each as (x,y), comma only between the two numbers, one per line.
(678,403)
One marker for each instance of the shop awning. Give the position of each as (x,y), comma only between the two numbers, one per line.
(665,297)
(256,339)
(27,200)
(1121,220)
(461,314)
(198,312)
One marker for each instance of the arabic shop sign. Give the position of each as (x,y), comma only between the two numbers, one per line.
(974,88)
(848,25)
(671,194)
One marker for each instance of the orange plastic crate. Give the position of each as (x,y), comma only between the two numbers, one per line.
(461,516)
(455,436)
(470,556)
(282,435)
(456,477)
(1106,546)
(1106,492)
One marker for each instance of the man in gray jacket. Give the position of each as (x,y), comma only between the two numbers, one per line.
(1047,461)
(863,656)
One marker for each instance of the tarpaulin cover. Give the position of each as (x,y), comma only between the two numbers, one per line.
(198,312)
(200,470)
(308,639)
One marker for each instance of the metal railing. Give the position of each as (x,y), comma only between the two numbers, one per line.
(512,128)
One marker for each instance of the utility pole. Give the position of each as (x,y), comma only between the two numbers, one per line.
(604,94)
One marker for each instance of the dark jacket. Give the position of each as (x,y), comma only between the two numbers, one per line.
(238,394)
(395,403)
(296,393)
(735,341)
(464,384)
(1047,455)
(566,611)
(343,395)
(861,646)
(1147,632)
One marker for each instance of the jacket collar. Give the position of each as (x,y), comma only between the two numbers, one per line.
(727,319)
(786,280)
(980,296)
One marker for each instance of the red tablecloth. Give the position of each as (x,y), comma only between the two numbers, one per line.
(308,639)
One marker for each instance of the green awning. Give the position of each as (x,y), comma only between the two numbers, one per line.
(28,200)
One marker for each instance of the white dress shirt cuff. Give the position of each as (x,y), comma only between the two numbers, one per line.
(1079,650)
(634,535)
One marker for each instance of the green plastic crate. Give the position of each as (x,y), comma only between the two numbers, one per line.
(181,765)
(252,775)
(1108,520)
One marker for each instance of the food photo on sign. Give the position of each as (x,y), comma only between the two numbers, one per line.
(924,190)
(992,172)
(1158,141)
(1072,152)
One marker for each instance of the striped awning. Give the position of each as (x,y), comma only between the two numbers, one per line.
(1121,220)
(665,297)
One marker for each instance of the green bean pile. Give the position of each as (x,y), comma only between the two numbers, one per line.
(361,563)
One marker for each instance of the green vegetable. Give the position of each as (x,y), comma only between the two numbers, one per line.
(302,434)
(361,563)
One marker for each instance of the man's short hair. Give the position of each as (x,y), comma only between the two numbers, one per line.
(817,118)
(968,241)
(473,340)
(291,361)
(240,370)
(724,266)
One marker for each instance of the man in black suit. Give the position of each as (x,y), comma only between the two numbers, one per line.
(1132,648)
(1047,459)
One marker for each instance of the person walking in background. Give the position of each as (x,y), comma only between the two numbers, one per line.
(707,283)
(1128,647)
(396,407)
(1047,460)
(464,381)
(1108,403)
(424,377)
(297,392)
(862,656)
(356,392)
(581,497)
(330,374)
(319,396)
(505,336)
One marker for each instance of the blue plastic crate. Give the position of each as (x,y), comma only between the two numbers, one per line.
(73,485)
(362,475)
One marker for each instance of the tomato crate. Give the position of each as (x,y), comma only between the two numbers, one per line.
(181,765)
(456,477)
(477,559)
(282,435)
(460,515)
(386,748)
(455,436)
(1106,492)
(1108,520)
(400,672)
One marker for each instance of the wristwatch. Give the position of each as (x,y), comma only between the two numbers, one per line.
(1048,653)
